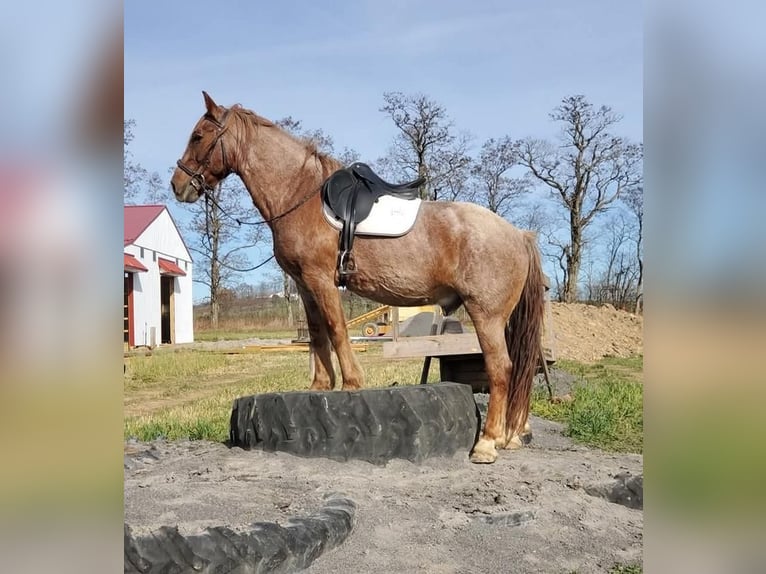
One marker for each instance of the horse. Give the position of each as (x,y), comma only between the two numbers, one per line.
(456,254)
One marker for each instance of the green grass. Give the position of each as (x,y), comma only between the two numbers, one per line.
(161,367)
(189,393)
(626,569)
(238,335)
(622,569)
(607,406)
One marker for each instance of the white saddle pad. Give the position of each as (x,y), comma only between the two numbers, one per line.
(390,217)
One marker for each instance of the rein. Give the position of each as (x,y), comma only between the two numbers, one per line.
(209,197)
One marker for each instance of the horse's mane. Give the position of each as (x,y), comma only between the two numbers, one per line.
(251,122)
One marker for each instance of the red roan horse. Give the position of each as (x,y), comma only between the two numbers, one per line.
(457,253)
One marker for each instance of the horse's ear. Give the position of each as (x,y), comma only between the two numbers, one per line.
(212,108)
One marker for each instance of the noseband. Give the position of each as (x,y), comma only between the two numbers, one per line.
(197,178)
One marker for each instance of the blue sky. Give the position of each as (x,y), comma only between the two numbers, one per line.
(498,67)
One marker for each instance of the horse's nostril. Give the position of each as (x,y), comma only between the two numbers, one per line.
(172,187)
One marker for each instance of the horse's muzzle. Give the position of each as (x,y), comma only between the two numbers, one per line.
(187,192)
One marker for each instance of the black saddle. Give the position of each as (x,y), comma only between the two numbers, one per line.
(350,194)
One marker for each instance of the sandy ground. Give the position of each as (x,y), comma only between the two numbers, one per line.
(528,512)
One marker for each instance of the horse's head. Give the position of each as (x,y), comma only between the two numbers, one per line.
(203,163)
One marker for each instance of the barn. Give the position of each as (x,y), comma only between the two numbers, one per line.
(158,279)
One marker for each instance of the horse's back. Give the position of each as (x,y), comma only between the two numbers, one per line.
(468,220)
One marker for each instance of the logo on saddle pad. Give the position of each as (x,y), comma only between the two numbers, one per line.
(389,217)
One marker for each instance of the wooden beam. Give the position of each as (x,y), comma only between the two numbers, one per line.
(432,346)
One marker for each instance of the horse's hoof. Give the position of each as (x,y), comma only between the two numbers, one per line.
(515,443)
(315,386)
(484,452)
(501,442)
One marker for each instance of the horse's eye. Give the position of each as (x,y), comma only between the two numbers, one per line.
(196,137)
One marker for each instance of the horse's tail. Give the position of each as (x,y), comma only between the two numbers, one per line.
(523,336)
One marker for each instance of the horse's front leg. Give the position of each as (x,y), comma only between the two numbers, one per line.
(326,295)
(323,373)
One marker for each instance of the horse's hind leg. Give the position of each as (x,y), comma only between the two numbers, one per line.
(323,375)
(514,440)
(491,334)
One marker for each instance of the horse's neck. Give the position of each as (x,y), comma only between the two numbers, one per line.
(279,172)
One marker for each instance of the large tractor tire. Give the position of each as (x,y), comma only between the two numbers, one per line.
(264,547)
(408,422)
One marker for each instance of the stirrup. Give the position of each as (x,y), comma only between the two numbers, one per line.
(346,267)
(346,263)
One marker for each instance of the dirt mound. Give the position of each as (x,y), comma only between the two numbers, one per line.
(587,333)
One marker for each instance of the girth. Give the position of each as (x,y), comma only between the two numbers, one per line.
(350,194)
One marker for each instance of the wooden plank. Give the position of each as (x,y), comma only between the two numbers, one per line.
(432,346)
(299,347)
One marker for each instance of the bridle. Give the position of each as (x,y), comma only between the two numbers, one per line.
(197,179)
(203,188)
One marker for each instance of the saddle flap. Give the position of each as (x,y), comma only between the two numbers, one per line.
(337,190)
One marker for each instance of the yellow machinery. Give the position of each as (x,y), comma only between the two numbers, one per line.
(376,322)
(380,321)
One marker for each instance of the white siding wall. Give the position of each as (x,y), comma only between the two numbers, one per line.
(161,237)
(184,306)
(146,298)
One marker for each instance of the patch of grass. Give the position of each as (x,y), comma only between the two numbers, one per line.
(157,367)
(238,335)
(609,414)
(607,406)
(174,425)
(626,569)
(630,368)
(542,407)
(189,394)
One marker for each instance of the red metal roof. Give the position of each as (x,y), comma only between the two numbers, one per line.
(168,267)
(138,218)
(132,264)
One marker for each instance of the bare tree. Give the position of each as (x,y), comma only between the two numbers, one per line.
(425,145)
(455,185)
(533,216)
(450,171)
(317,137)
(220,243)
(348,156)
(494,188)
(586,172)
(618,280)
(634,200)
(140,185)
(557,251)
